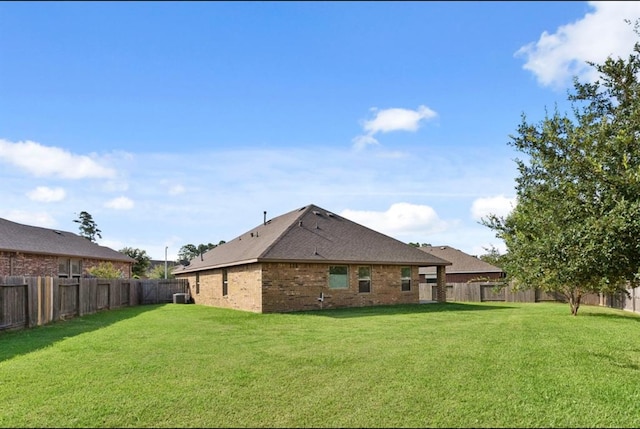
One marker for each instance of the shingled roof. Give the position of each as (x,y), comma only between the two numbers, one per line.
(461,263)
(312,234)
(16,237)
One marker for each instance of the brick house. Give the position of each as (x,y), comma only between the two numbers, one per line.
(34,251)
(464,267)
(308,259)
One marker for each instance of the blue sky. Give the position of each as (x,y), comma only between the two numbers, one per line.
(178,123)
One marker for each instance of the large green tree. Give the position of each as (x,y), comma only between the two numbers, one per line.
(143,260)
(190,251)
(576,226)
(88,227)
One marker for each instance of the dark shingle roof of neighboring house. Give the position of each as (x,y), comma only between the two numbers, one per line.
(311,234)
(16,237)
(461,263)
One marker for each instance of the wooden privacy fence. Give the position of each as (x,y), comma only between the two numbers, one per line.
(490,291)
(26,302)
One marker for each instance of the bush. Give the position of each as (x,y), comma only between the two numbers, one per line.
(105,270)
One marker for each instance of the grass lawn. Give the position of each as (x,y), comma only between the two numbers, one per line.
(431,365)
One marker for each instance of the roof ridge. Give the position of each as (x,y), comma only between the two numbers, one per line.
(301,211)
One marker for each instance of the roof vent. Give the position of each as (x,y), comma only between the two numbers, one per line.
(329,214)
(57,232)
(316,212)
(299,223)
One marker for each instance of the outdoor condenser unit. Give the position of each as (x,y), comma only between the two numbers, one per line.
(179,298)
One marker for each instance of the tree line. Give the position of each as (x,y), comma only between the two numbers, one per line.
(141,267)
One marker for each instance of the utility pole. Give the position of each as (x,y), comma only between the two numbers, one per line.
(165,261)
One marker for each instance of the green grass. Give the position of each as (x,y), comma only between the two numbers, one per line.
(432,365)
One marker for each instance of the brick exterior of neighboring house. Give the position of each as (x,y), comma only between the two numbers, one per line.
(308,259)
(34,251)
(464,267)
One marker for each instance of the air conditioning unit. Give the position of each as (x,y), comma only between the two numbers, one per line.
(179,298)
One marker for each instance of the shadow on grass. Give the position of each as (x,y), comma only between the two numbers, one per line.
(618,314)
(386,310)
(618,361)
(23,341)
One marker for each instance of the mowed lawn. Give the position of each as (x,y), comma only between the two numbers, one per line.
(430,365)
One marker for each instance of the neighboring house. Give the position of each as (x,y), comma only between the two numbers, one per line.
(308,259)
(464,267)
(33,251)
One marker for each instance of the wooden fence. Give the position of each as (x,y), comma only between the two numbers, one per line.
(489,291)
(26,302)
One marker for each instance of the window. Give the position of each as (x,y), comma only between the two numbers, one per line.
(75,268)
(405,278)
(63,267)
(197,283)
(225,283)
(364,279)
(69,268)
(338,277)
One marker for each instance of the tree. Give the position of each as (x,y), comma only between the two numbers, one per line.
(576,224)
(416,244)
(105,270)
(492,256)
(189,251)
(157,272)
(88,227)
(142,263)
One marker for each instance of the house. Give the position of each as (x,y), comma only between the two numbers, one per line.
(307,259)
(464,267)
(34,251)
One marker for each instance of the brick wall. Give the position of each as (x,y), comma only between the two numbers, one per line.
(295,287)
(26,264)
(20,264)
(243,288)
(284,287)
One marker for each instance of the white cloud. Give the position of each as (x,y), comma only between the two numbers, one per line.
(498,205)
(397,120)
(43,220)
(115,186)
(120,203)
(555,58)
(46,194)
(44,161)
(400,220)
(360,142)
(177,190)
(394,119)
